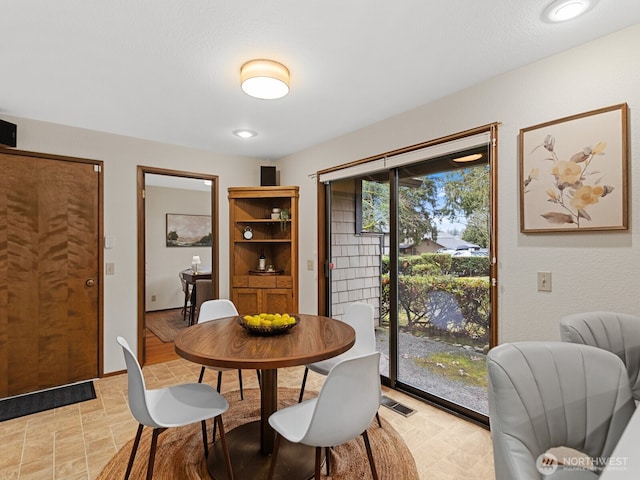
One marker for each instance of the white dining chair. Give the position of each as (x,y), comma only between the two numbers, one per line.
(343,410)
(360,316)
(168,407)
(215,310)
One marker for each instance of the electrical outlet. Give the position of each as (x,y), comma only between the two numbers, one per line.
(153,298)
(309,264)
(544,281)
(109,268)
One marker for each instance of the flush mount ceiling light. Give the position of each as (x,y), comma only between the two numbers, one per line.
(264,79)
(563,10)
(244,133)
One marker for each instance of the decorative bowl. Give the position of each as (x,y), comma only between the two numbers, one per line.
(266,330)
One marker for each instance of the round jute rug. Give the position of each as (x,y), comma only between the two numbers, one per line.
(180,454)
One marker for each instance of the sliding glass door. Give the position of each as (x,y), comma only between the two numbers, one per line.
(414,240)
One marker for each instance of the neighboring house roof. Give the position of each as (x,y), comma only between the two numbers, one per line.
(451,242)
(445,240)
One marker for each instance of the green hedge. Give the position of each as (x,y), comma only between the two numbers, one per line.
(442,305)
(440,263)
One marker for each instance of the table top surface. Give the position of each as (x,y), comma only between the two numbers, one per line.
(224,343)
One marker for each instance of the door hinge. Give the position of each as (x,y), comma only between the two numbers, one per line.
(97,168)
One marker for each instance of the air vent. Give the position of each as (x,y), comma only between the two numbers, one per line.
(396,406)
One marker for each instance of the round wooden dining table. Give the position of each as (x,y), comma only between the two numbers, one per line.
(225,343)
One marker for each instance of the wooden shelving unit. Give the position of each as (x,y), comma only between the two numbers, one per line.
(254,291)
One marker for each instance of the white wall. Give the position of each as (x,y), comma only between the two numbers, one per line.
(590,270)
(164,263)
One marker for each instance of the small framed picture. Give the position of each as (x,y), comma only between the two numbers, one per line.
(188,230)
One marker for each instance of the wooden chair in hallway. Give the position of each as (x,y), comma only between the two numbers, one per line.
(186,289)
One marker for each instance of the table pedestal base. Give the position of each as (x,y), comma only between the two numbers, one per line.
(295,461)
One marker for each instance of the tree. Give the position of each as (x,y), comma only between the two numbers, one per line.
(418,212)
(466,196)
(416,205)
(375,207)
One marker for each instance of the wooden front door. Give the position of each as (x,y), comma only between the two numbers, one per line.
(50,226)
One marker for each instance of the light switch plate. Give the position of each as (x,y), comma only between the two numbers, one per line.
(544,281)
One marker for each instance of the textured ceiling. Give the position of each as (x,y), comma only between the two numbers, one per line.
(168,70)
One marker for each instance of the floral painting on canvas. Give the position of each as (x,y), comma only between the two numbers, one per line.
(573,173)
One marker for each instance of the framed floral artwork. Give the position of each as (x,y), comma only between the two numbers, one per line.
(573,173)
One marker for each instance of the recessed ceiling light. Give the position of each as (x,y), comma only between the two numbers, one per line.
(244,133)
(563,10)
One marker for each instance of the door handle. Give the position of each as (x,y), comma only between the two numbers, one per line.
(90,282)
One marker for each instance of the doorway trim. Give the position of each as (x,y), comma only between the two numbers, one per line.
(141,216)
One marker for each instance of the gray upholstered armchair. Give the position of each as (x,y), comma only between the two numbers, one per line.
(552,394)
(618,333)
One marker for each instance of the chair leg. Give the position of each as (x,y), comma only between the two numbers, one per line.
(136,442)
(326,459)
(240,383)
(304,382)
(225,449)
(152,452)
(184,309)
(318,462)
(259,379)
(367,445)
(378,418)
(219,385)
(204,439)
(274,456)
(201,374)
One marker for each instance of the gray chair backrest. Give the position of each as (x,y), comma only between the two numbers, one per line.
(551,394)
(618,333)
